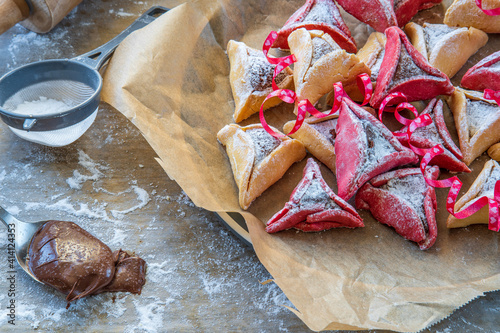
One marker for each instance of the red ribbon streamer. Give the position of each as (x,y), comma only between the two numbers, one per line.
(490,12)
(303,106)
(428,154)
(365,84)
(285,95)
(281,63)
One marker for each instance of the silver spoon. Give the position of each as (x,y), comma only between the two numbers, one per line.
(23,232)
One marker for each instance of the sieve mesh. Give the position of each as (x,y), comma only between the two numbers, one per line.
(71,92)
(59,137)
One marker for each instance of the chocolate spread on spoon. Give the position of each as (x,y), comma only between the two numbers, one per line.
(70,259)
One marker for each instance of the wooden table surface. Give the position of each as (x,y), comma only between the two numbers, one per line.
(201,277)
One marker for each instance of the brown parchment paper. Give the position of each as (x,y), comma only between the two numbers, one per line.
(171,80)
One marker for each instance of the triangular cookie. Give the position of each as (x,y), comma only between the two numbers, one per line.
(446,48)
(320,63)
(364,148)
(436,133)
(378,14)
(477,121)
(483,75)
(313,206)
(406,71)
(406,9)
(257,159)
(466,13)
(372,54)
(484,185)
(318,136)
(321,15)
(251,78)
(403,200)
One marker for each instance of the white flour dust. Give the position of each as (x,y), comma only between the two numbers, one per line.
(142,197)
(44,46)
(121,12)
(42,106)
(94,171)
(150,312)
(173,267)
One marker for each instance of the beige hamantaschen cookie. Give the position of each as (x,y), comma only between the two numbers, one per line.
(258,160)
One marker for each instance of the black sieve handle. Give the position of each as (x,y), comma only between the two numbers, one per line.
(97,57)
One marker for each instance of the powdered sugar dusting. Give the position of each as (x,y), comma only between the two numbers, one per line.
(435,32)
(320,48)
(406,69)
(377,146)
(42,106)
(375,69)
(326,128)
(388,7)
(264,143)
(480,114)
(495,66)
(316,195)
(429,132)
(489,186)
(412,190)
(322,12)
(258,72)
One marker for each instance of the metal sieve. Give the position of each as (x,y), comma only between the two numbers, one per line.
(75,82)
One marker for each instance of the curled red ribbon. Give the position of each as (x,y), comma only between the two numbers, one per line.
(490,12)
(304,106)
(285,95)
(428,154)
(365,84)
(281,63)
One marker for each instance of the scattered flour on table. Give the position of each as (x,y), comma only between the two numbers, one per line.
(46,46)
(118,238)
(78,209)
(150,312)
(14,210)
(95,171)
(116,308)
(121,12)
(158,272)
(213,286)
(142,197)
(171,273)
